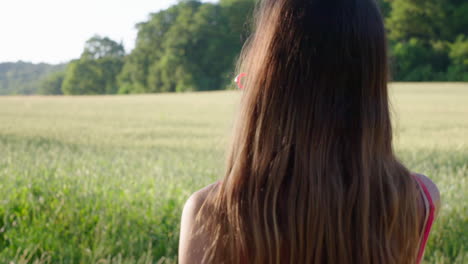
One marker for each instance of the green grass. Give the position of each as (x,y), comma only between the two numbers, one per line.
(103,179)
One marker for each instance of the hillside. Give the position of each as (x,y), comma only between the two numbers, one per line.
(24,77)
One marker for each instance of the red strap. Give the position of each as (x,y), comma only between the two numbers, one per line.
(430,219)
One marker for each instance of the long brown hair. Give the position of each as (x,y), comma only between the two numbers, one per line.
(311,174)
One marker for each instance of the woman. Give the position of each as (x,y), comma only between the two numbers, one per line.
(312,176)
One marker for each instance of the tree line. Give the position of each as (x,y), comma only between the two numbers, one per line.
(22,77)
(192,46)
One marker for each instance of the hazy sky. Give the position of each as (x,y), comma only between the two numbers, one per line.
(55,31)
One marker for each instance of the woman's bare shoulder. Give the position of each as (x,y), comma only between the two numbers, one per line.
(192,242)
(431,187)
(198,198)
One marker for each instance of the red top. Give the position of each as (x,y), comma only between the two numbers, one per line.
(429,218)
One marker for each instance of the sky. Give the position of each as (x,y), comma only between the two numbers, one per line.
(54,31)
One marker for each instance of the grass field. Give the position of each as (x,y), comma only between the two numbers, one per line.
(103,179)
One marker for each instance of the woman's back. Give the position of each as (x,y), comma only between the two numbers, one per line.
(311,174)
(193,244)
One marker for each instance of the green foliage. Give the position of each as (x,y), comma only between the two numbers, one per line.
(425,37)
(151,34)
(423,19)
(456,19)
(97,70)
(132,78)
(104,179)
(458,70)
(416,60)
(189,47)
(83,77)
(385,7)
(192,46)
(23,78)
(98,47)
(459,51)
(427,19)
(111,68)
(52,84)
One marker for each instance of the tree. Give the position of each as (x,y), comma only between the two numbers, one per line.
(193,46)
(456,19)
(423,33)
(458,70)
(132,78)
(23,77)
(83,77)
(189,47)
(148,50)
(238,14)
(422,19)
(416,61)
(102,47)
(174,66)
(428,20)
(111,68)
(196,54)
(385,7)
(97,70)
(52,84)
